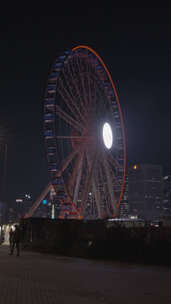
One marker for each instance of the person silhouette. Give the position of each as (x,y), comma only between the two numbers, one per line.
(11,233)
(16,241)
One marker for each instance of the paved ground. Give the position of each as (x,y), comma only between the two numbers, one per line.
(36,278)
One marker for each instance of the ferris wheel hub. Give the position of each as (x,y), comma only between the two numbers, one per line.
(107,135)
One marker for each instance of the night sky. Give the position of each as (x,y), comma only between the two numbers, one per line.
(135,44)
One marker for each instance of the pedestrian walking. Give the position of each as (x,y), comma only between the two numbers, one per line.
(11,233)
(16,241)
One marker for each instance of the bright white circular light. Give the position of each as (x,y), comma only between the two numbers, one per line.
(107,135)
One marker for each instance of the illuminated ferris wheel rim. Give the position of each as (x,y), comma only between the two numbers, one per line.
(77,51)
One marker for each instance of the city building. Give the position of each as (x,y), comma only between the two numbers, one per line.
(145,191)
(167,195)
(124,205)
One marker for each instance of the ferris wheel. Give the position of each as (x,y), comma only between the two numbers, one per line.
(84,136)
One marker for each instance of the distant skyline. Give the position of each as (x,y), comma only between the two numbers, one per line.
(138,55)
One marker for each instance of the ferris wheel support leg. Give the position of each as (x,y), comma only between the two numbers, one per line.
(78,181)
(38,201)
(76,169)
(67,161)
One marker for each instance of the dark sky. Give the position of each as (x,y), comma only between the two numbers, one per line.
(135,44)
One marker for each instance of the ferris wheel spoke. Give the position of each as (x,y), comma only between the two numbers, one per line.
(93,98)
(113,160)
(74,79)
(112,163)
(101,105)
(68,101)
(102,186)
(88,180)
(91,85)
(89,88)
(80,86)
(67,118)
(72,137)
(86,83)
(82,82)
(78,179)
(67,137)
(84,89)
(76,169)
(95,189)
(81,99)
(66,162)
(83,109)
(109,183)
(80,89)
(88,95)
(73,99)
(102,182)
(106,194)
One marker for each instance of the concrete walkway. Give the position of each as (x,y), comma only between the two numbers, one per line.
(36,278)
